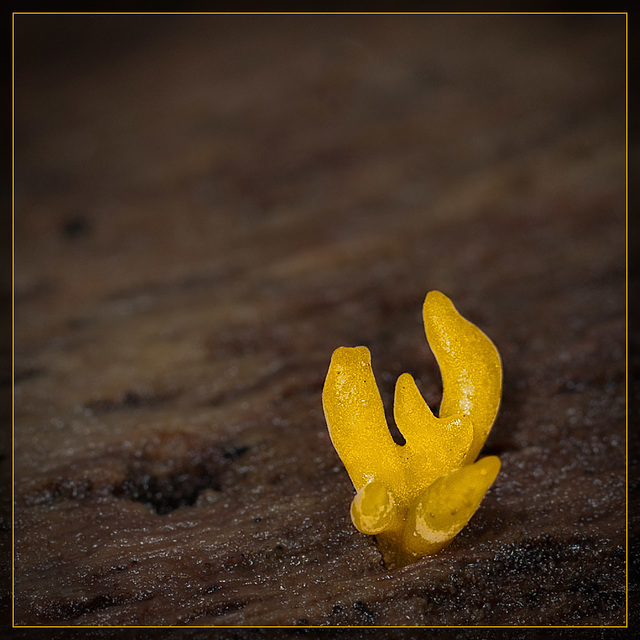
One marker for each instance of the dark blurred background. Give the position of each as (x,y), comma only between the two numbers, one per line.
(207,205)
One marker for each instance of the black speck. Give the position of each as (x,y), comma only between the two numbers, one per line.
(76,227)
(368,616)
(234,452)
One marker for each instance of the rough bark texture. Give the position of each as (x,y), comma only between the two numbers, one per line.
(207,206)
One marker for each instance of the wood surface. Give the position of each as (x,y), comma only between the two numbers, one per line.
(207,206)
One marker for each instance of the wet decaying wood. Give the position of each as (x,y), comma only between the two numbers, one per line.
(207,206)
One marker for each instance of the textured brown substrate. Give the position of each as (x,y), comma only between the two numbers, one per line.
(207,206)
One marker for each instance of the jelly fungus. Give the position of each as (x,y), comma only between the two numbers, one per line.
(416,497)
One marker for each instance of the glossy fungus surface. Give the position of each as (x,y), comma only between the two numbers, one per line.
(416,497)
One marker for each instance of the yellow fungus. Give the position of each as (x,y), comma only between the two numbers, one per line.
(418,496)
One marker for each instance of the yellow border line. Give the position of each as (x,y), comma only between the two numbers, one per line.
(328,627)
(15,13)
(13,324)
(322,13)
(627,316)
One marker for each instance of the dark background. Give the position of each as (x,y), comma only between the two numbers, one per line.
(207,206)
